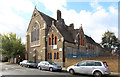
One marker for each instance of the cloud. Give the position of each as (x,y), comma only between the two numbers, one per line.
(18,5)
(10,20)
(53,5)
(95,22)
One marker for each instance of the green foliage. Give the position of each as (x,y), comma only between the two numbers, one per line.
(11,45)
(109,41)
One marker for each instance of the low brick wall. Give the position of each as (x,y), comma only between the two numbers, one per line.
(111,61)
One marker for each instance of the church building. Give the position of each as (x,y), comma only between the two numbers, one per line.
(52,40)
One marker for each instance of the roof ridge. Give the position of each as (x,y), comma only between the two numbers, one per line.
(45,15)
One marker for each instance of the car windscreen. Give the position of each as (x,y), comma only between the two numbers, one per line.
(82,63)
(52,63)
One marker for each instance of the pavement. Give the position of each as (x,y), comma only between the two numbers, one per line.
(115,73)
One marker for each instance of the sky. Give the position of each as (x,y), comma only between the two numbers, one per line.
(96,16)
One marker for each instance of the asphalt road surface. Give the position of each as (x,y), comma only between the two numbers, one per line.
(14,70)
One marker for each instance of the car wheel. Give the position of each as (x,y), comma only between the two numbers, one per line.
(72,71)
(51,69)
(97,74)
(39,68)
(28,66)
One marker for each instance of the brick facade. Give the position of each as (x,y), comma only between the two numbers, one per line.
(52,40)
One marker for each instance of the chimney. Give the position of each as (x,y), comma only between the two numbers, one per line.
(58,15)
(72,26)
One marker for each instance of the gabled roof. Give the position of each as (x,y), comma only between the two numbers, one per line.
(65,33)
(63,30)
(47,18)
(73,32)
(69,35)
(91,41)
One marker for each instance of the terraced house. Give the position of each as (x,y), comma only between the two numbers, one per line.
(52,40)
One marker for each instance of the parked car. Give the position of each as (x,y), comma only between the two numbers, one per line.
(95,68)
(51,66)
(28,63)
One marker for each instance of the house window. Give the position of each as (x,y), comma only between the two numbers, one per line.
(54,55)
(32,36)
(35,14)
(80,41)
(57,55)
(88,46)
(83,43)
(50,55)
(52,39)
(35,35)
(55,40)
(81,36)
(49,41)
(38,34)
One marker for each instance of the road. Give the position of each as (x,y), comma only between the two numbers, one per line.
(14,70)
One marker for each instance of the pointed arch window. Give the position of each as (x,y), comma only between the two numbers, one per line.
(38,33)
(55,40)
(54,55)
(57,55)
(49,41)
(52,39)
(83,42)
(48,56)
(32,35)
(35,33)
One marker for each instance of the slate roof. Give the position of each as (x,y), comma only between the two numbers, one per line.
(63,30)
(90,40)
(65,33)
(69,35)
(47,18)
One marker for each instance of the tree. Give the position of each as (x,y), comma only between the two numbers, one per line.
(109,41)
(118,47)
(11,45)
